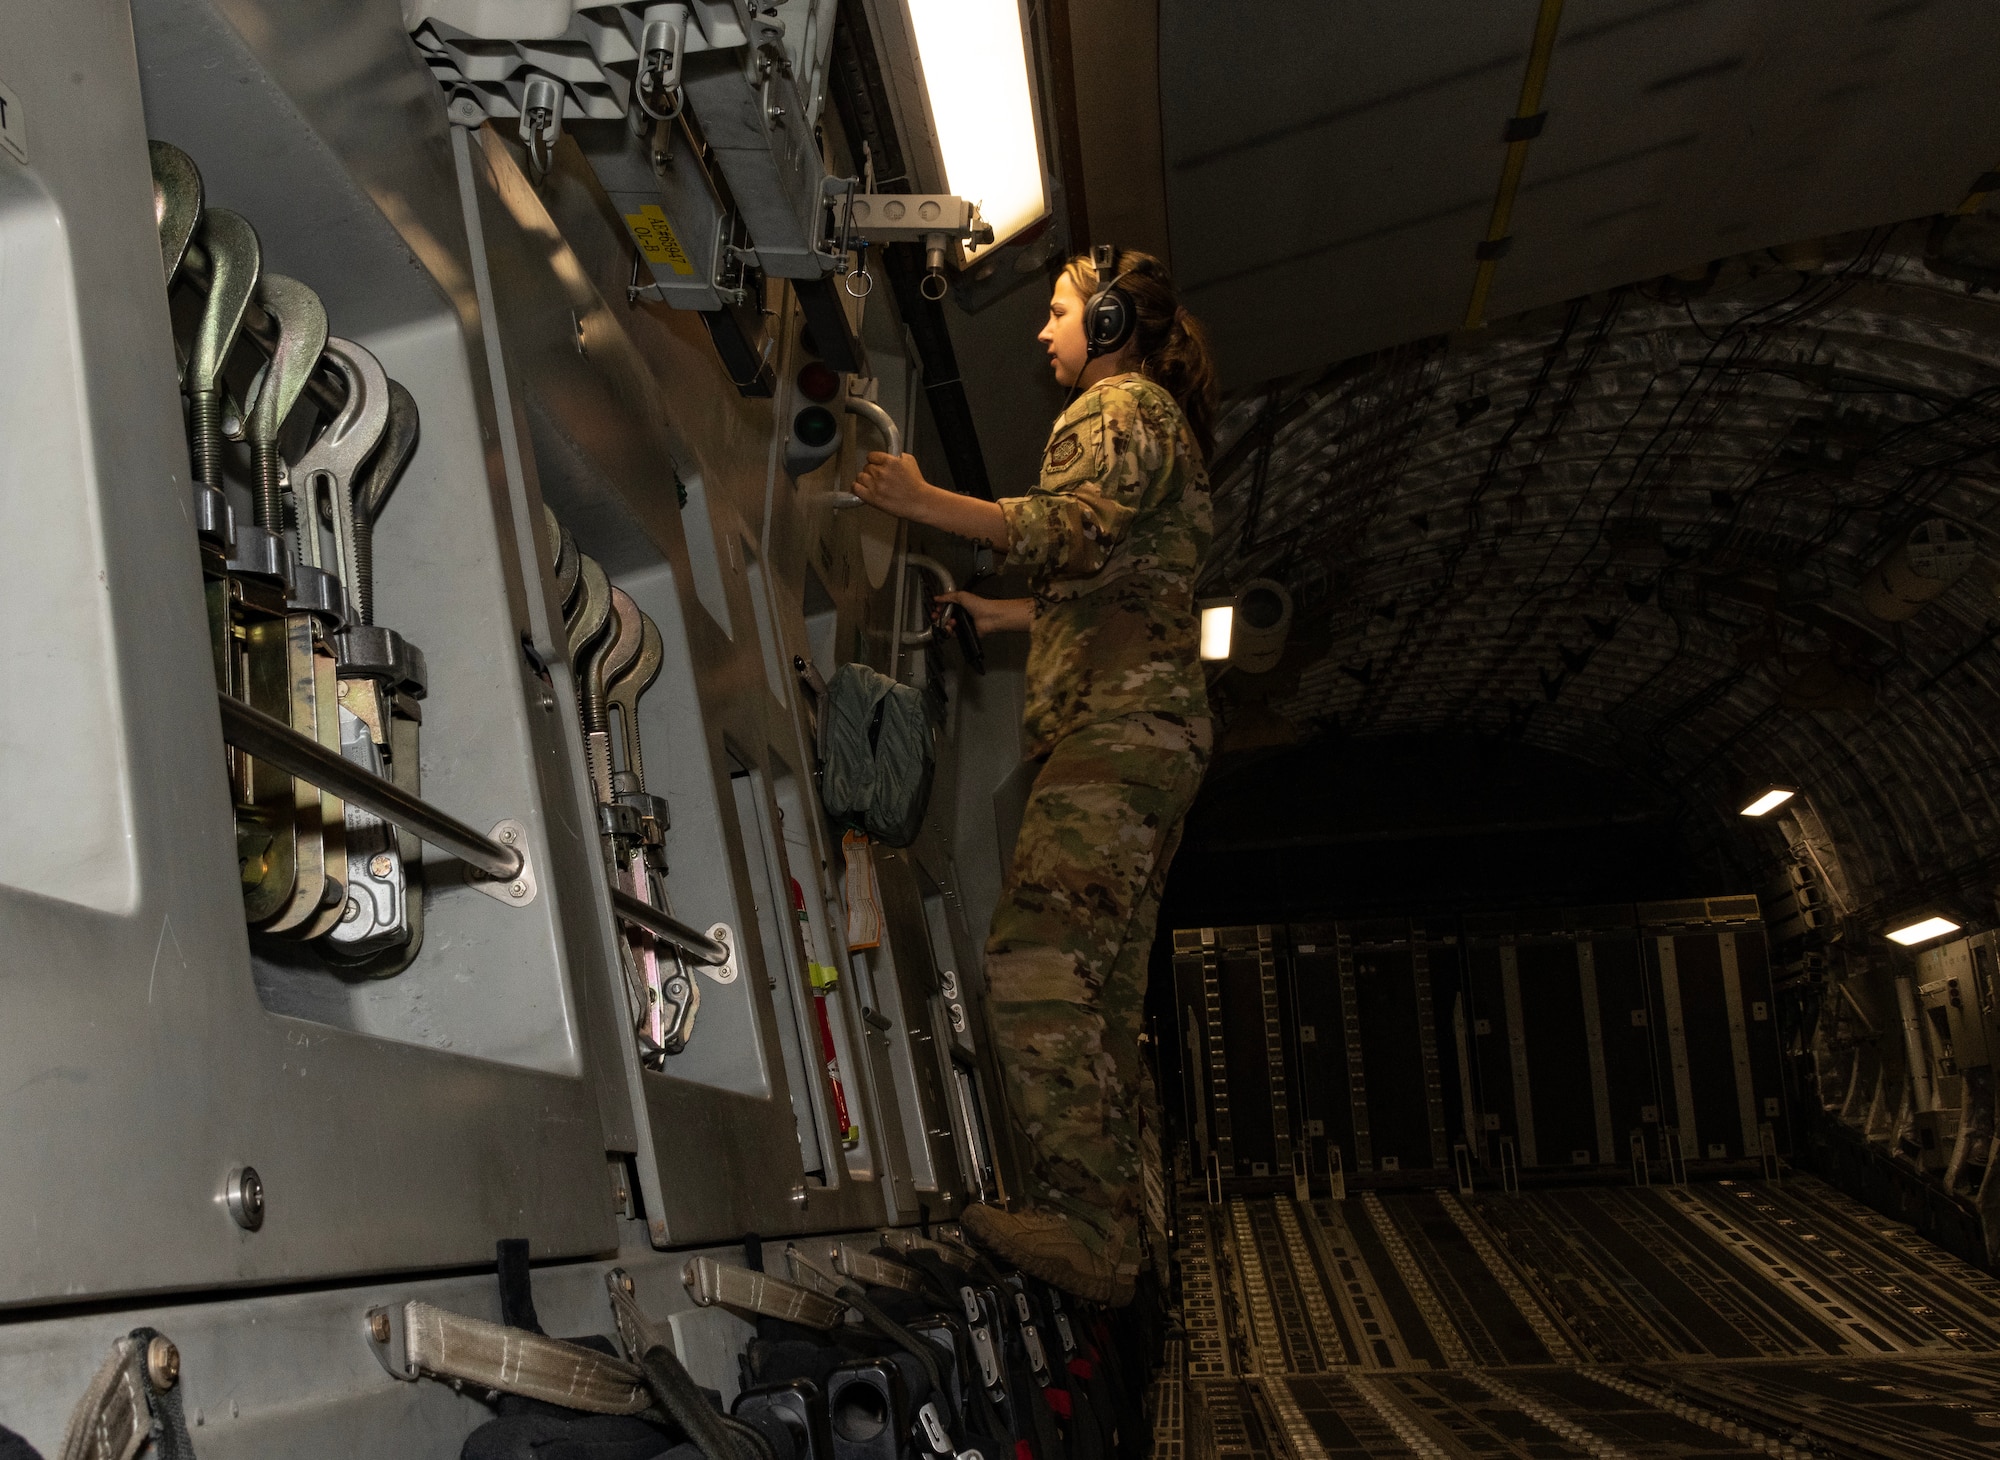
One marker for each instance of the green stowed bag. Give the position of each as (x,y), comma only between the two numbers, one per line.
(878,753)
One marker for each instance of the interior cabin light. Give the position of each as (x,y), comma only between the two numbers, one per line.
(1217,622)
(1922,931)
(975,65)
(1769,801)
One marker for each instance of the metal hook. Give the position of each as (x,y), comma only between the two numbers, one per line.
(660,49)
(541,121)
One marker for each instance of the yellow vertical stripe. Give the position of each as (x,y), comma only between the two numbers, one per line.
(1546,22)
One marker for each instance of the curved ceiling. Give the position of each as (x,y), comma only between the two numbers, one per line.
(1626,520)
(1330,169)
(1631,527)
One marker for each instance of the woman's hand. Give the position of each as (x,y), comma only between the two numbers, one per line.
(895,484)
(993,615)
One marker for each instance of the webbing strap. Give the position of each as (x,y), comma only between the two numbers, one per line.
(904,1242)
(120,1411)
(636,1332)
(711,1283)
(716,1435)
(453,1346)
(111,1421)
(922,1350)
(865,1267)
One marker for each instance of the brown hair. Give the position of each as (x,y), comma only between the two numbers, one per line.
(1172,349)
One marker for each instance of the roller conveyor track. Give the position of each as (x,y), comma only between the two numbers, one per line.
(1714,1320)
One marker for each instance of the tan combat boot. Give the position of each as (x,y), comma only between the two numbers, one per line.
(1045,1245)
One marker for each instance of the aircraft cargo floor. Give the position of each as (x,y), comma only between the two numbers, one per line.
(1713,1319)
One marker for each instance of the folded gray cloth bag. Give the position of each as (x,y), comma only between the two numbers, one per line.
(878,752)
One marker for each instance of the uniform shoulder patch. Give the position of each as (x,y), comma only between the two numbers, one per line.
(1064,451)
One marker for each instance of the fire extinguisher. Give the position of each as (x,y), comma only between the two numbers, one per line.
(824,977)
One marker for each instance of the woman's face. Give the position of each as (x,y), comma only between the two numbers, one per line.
(1069,352)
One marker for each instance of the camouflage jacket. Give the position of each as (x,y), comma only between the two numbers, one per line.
(1112,537)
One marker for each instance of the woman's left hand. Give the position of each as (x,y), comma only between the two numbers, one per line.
(895,484)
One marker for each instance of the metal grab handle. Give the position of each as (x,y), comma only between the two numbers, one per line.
(258,734)
(938,571)
(698,946)
(932,566)
(881,420)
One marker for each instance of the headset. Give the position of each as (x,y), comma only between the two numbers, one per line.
(1109,317)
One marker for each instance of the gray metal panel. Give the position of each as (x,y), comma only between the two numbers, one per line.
(907,984)
(404,1126)
(293,1373)
(136,1086)
(718,1149)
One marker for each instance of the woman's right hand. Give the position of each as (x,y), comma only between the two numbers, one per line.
(895,484)
(993,615)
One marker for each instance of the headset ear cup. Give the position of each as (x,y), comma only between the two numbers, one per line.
(1108,319)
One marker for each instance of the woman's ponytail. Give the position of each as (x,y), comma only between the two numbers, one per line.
(1172,347)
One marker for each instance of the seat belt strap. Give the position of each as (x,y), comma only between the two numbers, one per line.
(636,1332)
(711,1284)
(450,1345)
(122,1409)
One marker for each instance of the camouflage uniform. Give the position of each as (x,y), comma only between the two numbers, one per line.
(1116,703)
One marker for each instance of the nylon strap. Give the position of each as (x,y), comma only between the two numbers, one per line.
(120,1411)
(711,1283)
(111,1421)
(922,1350)
(636,1332)
(453,1346)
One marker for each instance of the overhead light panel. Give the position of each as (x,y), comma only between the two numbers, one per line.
(1770,800)
(1218,621)
(975,63)
(1922,931)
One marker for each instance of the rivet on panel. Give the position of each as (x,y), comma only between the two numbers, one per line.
(243,1193)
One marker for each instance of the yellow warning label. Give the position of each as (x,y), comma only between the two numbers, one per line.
(655,237)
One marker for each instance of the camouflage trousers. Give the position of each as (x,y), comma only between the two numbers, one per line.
(1067,964)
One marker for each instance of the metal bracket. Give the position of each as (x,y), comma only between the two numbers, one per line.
(520,889)
(838,192)
(723,972)
(914,217)
(541,120)
(386,1337)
